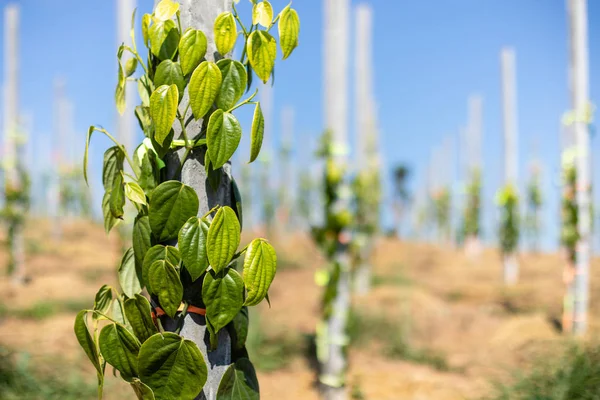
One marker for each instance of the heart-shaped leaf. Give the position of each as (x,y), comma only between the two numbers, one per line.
(239,382)
(204,87)
(169,73)
(156,253)
(262,51)
(165,283)
(223,238)
(257,132)
(222,137)
(120,349)
(289,30)
(192,49)
(225,31)
(171,205)
(135,193)
(172,367)
(234,82)
(113,165)
(86,341)
(223,295)
(260,266)
(165,10)
(262,14)
(192,245)
(164,39)
(128,277)
(163,110)
(141,241)
(138,312)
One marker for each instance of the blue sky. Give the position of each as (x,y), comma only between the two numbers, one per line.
(429,56)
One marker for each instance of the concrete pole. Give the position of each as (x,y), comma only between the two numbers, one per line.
(579,85)
(336,23)
(11,130)
(201,15)
(509,106)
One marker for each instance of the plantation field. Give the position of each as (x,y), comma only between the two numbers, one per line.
(435,326)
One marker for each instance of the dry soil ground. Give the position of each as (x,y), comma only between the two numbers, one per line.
(435,325)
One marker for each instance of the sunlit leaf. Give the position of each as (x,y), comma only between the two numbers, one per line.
(164,39)
(165,10)
(222,137)
(192,49)
(260,265)
(256,132)
(135,193)
(225,31)
(112,166)
(171,205)
(289,31)
(234,83)
(262,51)
(204,87)
(192,245)
(223,294)
(128,277)
(262,13)
(163,110)
(223,238)
(156,253)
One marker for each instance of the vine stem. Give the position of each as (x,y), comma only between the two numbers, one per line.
(121,146)
(248,100)
(136,55)
(182,317)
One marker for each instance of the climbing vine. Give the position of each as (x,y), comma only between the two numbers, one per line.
(441,210)
(472,211)
(508,201)
(17,201)
(534,204)
(187,263)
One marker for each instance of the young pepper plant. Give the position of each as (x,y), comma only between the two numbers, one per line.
(508,201)
(184,258)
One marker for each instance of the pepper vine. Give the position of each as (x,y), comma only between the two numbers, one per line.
(508,201)
(185,261)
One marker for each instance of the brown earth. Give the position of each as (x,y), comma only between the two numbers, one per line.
(442,302)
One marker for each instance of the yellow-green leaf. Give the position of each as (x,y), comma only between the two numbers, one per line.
(289,30)
(146,19)
(256,132)
(262,51)
(223,238)
(164,39)
(223,136)
(262,13)
(128,276)
(163,110)
(223,294)
(171,205)
(165,10)
(225,31)
(192,48)
(234,82)
(135,193)
(204,87)
(260,265)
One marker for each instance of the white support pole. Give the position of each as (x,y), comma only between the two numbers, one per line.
(336,24)
(509,107)
(126,123)
(579,85)
(286,178)
(474,160)
(364,83)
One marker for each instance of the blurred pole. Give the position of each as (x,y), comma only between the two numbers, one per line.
(509,106)
(55,200)
(579,86)
(266,160)
(11,160)
(336,24)
(125,122)
(474,162)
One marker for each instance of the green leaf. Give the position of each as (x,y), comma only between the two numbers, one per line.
(117,313)
(142,241)
(240,325)
(222,137)
(192,245)
(103,299)
(146,19)
(262,14)
(169,73)
(192,49)
(223,238)
(163,110)
(145,89)
(289,31)
(109,220)
(130,66)
(164,39)
(138,312)
(204,87)
(149,171)
(260,266)
(128,277)
(262,51)
(135,193)
(165,10)
(165,283)
(171,205)
(223,295)
(88,137)
(225,31)
(117,197)
(172,367)
(239,382)
(156,253)
(142,391)
(120,89)
(86,341)
(234,83)
(120,349)
(257,132)
(112,166)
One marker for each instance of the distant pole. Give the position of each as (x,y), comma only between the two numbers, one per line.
(125,122)
(474,134)
(336,24)
(579,85)
(11,130)
(286,177)
(266,160)
(509,106)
